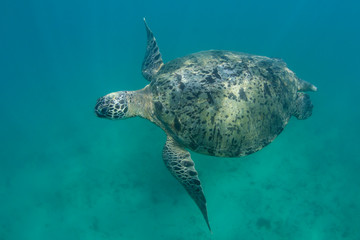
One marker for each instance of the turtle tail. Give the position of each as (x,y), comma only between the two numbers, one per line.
(303,106)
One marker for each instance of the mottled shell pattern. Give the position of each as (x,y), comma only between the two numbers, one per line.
(224,103)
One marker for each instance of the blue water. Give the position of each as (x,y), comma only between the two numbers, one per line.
(65,174)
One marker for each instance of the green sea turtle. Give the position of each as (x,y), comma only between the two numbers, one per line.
(219,103)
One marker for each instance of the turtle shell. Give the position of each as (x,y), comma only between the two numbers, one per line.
(224,103)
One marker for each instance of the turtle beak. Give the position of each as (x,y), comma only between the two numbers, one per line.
(100,110)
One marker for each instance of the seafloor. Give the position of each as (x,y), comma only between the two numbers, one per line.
(65,174)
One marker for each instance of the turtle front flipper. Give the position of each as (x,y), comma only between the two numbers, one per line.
(181,166)
(152,61)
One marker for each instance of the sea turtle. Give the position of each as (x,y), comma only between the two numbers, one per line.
(219,103)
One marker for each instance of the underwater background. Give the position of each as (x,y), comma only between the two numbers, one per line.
(66,174)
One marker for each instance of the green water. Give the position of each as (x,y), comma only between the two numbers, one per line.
(65,174)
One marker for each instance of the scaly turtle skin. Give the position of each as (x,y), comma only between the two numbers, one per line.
(218,103)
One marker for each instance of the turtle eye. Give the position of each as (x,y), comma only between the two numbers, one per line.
(101,113)
(104,111)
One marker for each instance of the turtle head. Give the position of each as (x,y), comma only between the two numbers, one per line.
(113,106)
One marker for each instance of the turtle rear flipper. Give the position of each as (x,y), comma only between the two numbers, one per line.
(152,61)
(303,106)
(305,86)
